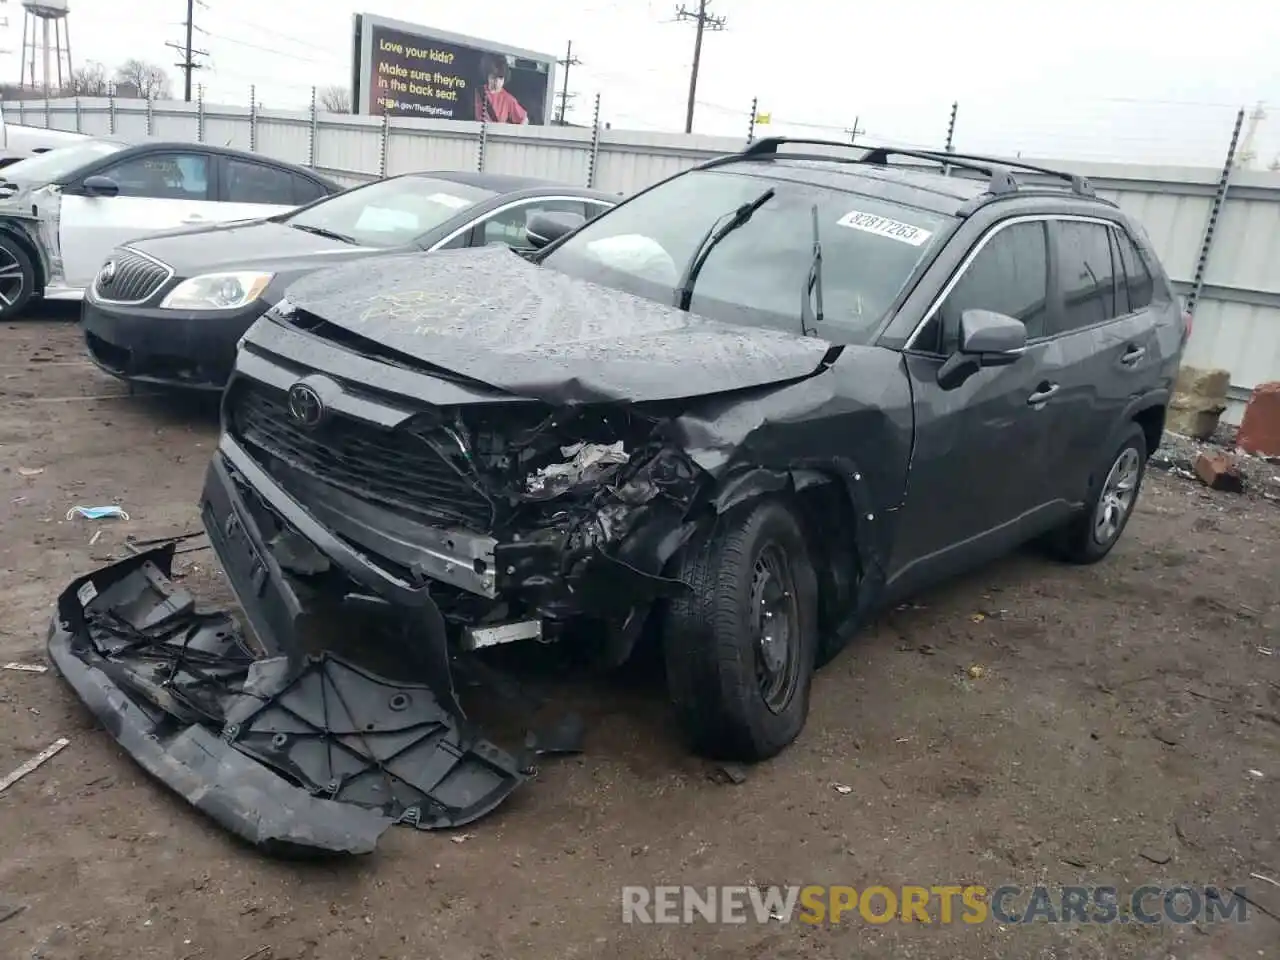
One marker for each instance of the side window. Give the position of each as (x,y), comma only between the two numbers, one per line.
(509,226)
(163,176)
(1010,275)
(306,190)
(1085,274)
(249,182)
(1141,286)
(461,240)
(1117,267)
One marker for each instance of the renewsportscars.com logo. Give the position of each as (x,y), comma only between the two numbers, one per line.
(942,904)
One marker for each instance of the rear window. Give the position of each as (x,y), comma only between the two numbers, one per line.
(757,275)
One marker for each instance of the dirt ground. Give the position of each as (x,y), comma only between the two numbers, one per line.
(1123,728)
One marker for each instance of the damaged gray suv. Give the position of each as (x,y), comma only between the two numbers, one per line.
(737,414)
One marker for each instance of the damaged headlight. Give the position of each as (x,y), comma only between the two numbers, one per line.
(217,291)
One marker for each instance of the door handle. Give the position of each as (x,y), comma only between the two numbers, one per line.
(1132,355)
(1043,393)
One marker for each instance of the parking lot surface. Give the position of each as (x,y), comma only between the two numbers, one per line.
(1032,723)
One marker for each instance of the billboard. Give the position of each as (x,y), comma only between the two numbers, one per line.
(407,70)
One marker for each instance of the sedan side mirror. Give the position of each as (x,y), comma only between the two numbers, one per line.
(987,339)
(98,186)
(544,229)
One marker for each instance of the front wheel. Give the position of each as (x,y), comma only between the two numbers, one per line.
(1112,496)
(740,647)
(17,278)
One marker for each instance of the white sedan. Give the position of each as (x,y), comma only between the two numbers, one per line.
(64,211)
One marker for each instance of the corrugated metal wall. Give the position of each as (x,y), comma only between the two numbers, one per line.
(1237,325)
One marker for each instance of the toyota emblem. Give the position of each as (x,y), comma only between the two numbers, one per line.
(305,406)
(108,273)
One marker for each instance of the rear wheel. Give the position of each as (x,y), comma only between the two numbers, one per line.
(740,648)
(17,278)
(1114,492)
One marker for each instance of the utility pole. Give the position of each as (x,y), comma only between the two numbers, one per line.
(189,54)
(565,96)
(704,21)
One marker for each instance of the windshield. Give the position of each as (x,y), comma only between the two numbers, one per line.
(389,213)
(758,273)
(57,163)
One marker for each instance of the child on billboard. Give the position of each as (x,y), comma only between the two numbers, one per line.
(493,102)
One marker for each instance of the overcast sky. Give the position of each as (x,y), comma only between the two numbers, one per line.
(1124,80)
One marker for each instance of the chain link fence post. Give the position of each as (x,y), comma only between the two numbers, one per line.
(751,123)
(594,159)
(484,140)
(78,127)
(311,132)
(385,146)
(151,116)
(111,108)
(951,135)
(253,118)
(46,109)
(200,113)
(1215,211)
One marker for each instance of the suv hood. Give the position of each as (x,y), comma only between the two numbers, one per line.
(492,316)
(246,245)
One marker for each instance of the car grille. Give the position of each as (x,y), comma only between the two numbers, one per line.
(395,468)
(137,278)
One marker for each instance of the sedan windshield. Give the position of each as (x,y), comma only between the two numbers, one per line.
(57,163)
(389,213)
(759,272)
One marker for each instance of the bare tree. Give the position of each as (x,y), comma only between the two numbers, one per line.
(88,81)
(152,81)
(335,99)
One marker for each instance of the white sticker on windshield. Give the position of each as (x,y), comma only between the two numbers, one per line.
(884,227)
(448,200)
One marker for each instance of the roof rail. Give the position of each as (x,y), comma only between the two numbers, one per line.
(1078,184)
(998,171)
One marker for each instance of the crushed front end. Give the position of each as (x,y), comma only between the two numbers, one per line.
(467,517)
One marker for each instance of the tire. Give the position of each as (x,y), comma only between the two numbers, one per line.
(1086,539)
(17,278)
(729,702)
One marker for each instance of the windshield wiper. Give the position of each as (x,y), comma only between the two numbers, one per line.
(810,316)
(323,232)
(716,233)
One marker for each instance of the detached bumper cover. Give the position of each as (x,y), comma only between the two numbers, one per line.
(317,757)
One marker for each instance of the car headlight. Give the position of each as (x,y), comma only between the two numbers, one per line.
(217,291)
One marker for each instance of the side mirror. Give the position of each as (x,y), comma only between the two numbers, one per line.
(100,187)
(997,338)
(544,229)
(987,339)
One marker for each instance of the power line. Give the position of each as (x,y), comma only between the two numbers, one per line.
(564,95)
(704,21)
(188,53)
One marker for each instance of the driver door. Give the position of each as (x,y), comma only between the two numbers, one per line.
(158,191)
(982,460)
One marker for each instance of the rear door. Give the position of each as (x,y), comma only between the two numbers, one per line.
(1103,336)
(250,190)
(162,190)
(979,469)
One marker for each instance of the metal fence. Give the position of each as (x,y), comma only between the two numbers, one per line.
(1217,230)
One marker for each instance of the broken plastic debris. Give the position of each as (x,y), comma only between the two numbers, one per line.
(584,461)
(977,671)
(30,471)
(25,667)
(97,513)
(978,617)
(1252,773)
(842,788)
(34,763)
